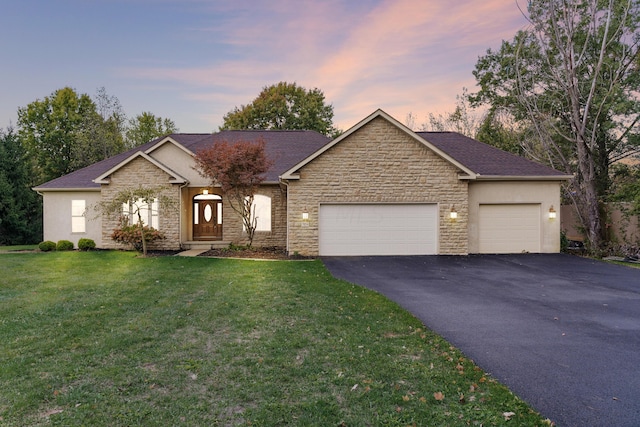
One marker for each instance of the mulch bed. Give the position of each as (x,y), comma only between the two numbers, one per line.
(273,252)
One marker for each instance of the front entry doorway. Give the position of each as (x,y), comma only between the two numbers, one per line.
(207,217)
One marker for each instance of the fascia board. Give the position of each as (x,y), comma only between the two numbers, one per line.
(170,140)
(75,189)
(177,179)
(524,177)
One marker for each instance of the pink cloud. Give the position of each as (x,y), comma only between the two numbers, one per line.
(401,55)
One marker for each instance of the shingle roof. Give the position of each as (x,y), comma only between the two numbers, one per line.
(284,148)
(484,159)
(287,148)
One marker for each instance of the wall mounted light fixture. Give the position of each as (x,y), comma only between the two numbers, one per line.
(454,213)
(305,216)
(552,213)
(205,192)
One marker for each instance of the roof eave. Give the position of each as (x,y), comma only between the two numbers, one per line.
(176,178)
(523,177)
(169,139)
(290,176)
(467,177)
(59,189)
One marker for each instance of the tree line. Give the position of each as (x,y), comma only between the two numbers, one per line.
(56,135)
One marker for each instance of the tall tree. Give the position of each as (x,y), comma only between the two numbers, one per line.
(573,77)
(238,168)
(284,106)
(145,127)
(462,120)
(103,132)
(51,130)
(20,208)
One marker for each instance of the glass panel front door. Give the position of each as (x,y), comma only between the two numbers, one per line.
(207,219)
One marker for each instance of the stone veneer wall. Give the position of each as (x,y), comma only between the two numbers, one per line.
(378,163)
(141,172)
(232,222)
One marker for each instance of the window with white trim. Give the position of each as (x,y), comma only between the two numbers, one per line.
(78,219)
(148,212)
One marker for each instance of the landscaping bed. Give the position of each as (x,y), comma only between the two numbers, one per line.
(271,252)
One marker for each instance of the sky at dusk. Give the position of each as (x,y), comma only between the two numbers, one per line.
(194,60)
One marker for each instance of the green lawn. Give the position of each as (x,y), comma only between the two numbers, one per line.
(109,339)
(18,248)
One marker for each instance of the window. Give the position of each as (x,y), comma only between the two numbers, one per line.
(78,223)
(149,214)
(261,211)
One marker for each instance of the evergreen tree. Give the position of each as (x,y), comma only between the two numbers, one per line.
(20,207)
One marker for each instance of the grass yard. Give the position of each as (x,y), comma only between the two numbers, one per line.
(18,248)
(108,339)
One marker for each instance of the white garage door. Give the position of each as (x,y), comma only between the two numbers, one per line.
(509,228)
(389,229)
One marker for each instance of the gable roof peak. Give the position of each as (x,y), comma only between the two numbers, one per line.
(175,177)
(379,113)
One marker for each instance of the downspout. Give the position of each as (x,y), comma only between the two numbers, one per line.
(284,183)
(180,214)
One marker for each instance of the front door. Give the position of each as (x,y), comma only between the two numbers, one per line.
(207,217)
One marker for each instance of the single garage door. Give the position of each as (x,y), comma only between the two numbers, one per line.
(509,228)
(385,229)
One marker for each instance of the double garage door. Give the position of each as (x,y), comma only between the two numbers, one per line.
(383,229)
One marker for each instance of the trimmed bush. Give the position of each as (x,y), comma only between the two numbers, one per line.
(64,245)
(131,235)
(86,244)
(47,246)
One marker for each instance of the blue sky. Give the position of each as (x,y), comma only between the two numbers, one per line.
(194,60)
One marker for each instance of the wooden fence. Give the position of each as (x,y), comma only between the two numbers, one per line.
(620,227)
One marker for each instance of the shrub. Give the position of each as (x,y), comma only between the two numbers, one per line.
(130,235)
(564,241)
(64,245)
(86,244)
(47,246)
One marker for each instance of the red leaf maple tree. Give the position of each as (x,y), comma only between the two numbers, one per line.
(238,168)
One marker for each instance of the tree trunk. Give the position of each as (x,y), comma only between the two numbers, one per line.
(589,196)
(142,236)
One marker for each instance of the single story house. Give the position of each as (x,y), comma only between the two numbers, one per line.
(378,189)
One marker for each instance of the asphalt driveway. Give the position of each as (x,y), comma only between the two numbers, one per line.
(562,332)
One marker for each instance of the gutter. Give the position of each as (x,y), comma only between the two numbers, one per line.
(45,189)
(523,177)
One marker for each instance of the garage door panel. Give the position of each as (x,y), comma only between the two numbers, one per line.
(369,229)
(509,228)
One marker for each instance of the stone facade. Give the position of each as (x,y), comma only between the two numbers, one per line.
(378,163)
(141,172)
